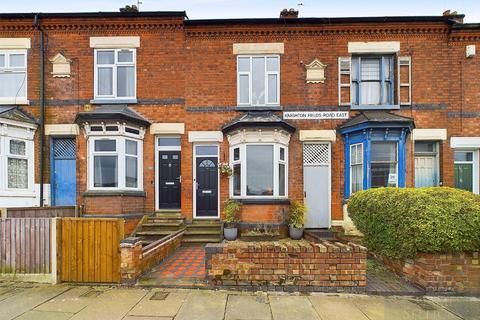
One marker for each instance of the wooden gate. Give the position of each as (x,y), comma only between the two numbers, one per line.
(91,250)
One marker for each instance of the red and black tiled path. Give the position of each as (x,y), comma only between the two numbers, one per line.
(185,267)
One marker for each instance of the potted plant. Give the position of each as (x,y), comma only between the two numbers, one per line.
(296,218)
(232,209)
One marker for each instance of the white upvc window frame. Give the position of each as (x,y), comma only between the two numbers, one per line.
(243,177)
(358,163)
(120,152)
(116,64)
(475,166)
(250,87)
(4,69)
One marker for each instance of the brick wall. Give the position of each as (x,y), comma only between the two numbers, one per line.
(440,273)
(287,265)
(136,260)
(184,70)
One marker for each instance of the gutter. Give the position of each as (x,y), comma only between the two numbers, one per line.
(42,103)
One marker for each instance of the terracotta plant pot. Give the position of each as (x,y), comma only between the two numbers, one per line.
(230,233)
(296,233)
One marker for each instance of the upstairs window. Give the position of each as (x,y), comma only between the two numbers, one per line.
(13,76)
(258,80)
(115,74)
(372,80)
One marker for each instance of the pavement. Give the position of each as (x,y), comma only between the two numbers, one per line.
(58,302)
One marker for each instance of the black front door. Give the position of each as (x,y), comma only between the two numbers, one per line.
(207,187)
(169,180)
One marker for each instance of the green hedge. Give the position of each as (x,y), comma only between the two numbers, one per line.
(399,222)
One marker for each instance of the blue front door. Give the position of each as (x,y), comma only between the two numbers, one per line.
(63,172)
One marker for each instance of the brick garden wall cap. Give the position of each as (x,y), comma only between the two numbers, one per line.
(130,241)
(284,245)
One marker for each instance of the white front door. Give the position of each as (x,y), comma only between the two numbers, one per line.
(316,184)
(425,171)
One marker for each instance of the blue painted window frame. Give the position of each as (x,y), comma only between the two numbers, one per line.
(365,135)
(357,59)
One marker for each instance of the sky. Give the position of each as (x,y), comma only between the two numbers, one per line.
(212,9)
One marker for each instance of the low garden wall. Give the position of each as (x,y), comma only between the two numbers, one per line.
(428,235)
(287,265)
(440,273)
(136,259)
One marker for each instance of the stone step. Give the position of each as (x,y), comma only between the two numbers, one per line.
(202,239)
(169,223)
(154,232)
(202,232)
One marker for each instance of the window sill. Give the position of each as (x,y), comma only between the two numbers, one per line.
(376,107)
(114,101)
(14,102)
(114,193)
(263,201)
(259,108)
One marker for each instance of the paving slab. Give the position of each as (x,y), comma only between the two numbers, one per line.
(72,301)
(165,308)
(146,318)
(336,307)
(27,299)
(248,307)
(466,308)
(113,304)
(203,305)
(42,315)
(292,307)
(379,308)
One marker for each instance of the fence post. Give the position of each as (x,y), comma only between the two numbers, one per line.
(3,213)
(54,247)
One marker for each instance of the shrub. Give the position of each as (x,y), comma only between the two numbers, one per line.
(400,222)
(296,214)
(232,209)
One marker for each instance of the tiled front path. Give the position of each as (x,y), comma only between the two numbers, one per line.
(184,268)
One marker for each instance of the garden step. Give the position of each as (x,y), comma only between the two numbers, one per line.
(154,233)
(163,223)
(202,239)
(202,232)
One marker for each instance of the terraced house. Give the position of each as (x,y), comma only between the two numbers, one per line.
(125,114)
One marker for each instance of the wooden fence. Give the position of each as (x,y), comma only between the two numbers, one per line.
(91,250)
(28,249)
(41,212)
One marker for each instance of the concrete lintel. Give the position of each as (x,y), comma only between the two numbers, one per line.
(318,135)
(167,128)
(258,48)
(205,136)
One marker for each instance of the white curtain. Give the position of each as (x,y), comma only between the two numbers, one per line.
(17,173)
(105,81)
(126,81)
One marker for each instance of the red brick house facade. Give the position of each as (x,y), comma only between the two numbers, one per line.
(141,109)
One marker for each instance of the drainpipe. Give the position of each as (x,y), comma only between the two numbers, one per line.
(42,103)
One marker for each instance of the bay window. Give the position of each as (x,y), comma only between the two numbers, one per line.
(258,80)
(383,164)
(259,170)
(356,167)
(115,158)
(13,76)
(115,74)
(375,151)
